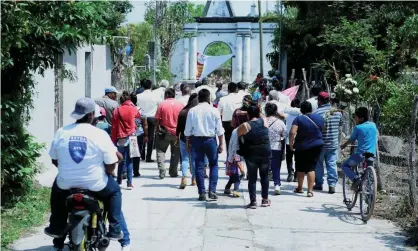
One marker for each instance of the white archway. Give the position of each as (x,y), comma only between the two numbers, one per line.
(241,34)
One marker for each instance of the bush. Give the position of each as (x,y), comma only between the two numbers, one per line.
(397,111)
(19,154)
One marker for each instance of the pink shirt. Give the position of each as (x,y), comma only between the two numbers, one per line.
(168,113)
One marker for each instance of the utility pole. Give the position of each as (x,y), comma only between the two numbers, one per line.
(279,64)
(153,57)
(260,25)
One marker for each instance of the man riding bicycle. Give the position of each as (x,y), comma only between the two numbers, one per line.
(365,133)
(85,156)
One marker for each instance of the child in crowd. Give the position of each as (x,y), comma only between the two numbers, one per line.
(234,165)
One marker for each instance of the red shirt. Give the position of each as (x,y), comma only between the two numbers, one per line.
(123,122)
(168,113)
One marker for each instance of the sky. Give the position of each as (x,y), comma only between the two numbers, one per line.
(240,7)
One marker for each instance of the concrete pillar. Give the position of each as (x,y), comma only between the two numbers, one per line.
(193,58)
(186,58)
(238,59)
(247,58)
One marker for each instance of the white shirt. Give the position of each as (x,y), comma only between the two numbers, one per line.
(243,93)
(314,103)
(210,89)
(228,105)
(184,99)
(148,101)
(159,93)
(291,113)
(203,120)
(81,151)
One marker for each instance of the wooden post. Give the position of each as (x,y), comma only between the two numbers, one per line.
(305,84)
(413,192)
(292,78)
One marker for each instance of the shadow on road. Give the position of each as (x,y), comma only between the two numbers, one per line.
(43,248)
(193,199)
(337,211)
(393,241)
(161,185)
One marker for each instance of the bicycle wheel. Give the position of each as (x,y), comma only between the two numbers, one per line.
(368,193)
(350,197)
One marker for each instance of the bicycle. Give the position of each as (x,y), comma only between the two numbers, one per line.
(367,189)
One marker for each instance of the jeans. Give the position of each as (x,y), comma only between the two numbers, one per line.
(330,156)
(202,146)
(161,145)
(136,161)
(185,162)
(112,199)
(150,144)
(289,160)
(234,179)
(253,165)
(126,163)
(353,161)
(276,164)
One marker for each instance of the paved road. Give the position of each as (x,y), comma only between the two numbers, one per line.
(161,217)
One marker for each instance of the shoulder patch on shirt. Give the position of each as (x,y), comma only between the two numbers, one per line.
(77,148)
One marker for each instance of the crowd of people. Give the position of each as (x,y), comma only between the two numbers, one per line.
(260,130)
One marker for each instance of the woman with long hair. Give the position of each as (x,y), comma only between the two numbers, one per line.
(186,157)
(256,151)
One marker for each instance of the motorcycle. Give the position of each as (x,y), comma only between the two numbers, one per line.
(86,227)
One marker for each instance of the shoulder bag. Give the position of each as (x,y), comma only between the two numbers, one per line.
(132,141)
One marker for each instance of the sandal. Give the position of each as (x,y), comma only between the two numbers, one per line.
(296,190)
(309,194)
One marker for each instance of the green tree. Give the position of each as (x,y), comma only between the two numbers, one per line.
(170,22)
(219,49)
(33,34)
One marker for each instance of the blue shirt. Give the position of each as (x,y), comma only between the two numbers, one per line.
(366,136)
(333,121)
(309,135)
(256,95)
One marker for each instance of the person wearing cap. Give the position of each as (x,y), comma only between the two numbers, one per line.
(333,121)
(109,103)
(85,157)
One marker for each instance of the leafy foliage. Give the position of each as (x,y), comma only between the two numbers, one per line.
(171,18)
(33,34)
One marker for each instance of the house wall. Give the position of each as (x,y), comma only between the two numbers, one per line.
(42,123)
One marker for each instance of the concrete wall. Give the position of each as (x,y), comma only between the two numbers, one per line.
(43,115)
(225,32)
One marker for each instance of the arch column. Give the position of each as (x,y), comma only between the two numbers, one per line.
(193,58)
(186,58)
(238,59)
(246,58)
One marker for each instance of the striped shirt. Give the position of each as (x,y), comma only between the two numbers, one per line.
(333,121)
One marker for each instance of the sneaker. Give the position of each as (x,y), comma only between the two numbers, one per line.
(252,205)
(290,177)
(50,232)
(162,175)
(137,175)
(202,197)
(212,196)
(130,187)
(356,184)
(227,191)
(277,190)
(265,203)
(236,194)
(317,188)
(331,190)
(115,235)
(126,248)
(150,161)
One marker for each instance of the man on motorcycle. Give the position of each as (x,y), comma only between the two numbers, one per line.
(85,156)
